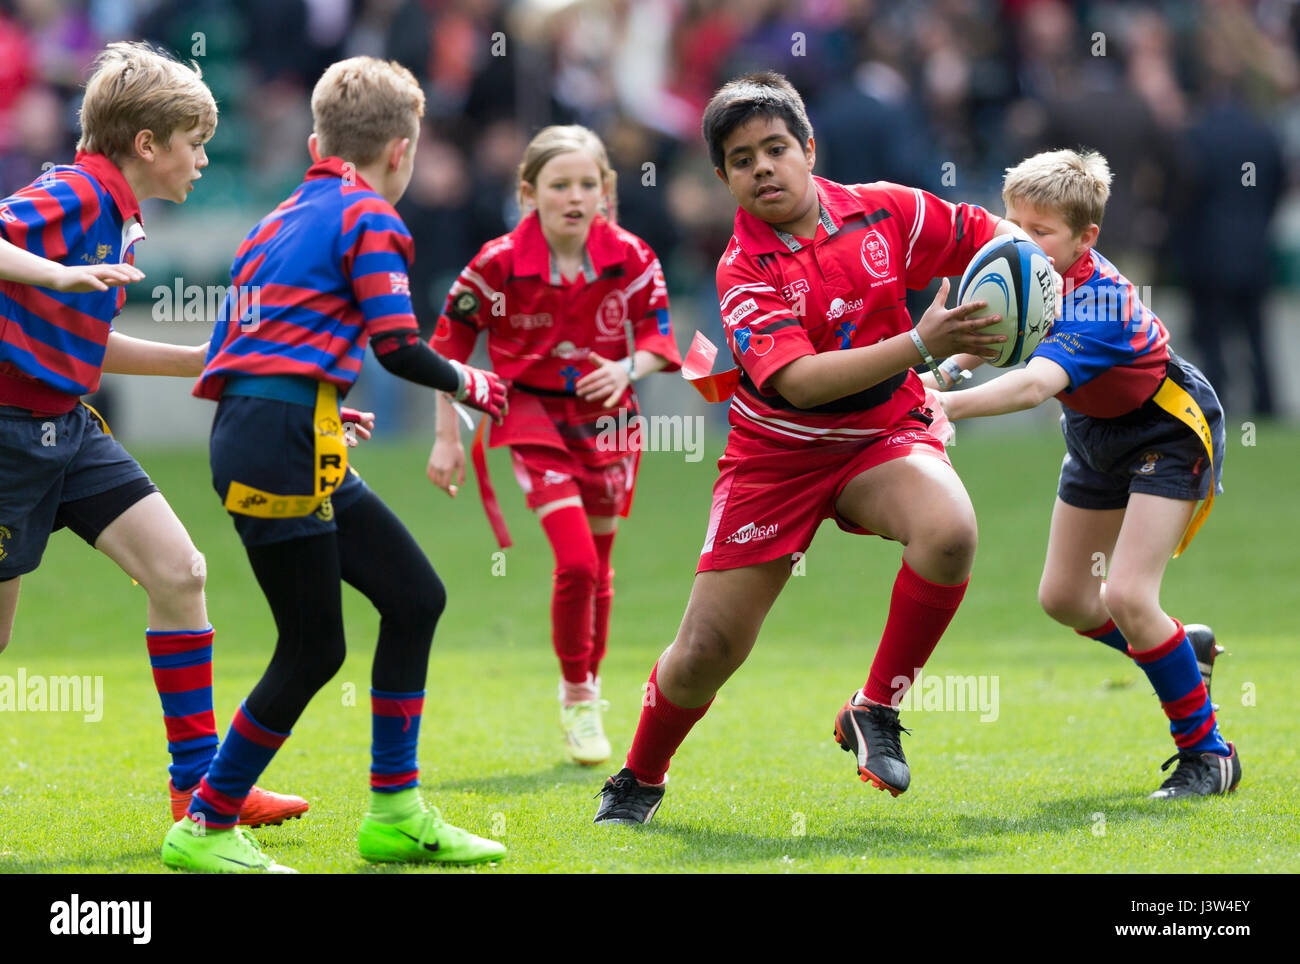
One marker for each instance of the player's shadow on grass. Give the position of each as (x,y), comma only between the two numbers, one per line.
(559,773)
(708,845)
(73,864)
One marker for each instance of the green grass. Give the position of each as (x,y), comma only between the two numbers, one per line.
(1057,783)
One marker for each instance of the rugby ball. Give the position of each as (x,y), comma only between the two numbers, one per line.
(1015,278)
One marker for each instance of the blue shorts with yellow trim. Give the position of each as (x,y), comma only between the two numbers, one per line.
(1148,450)
(270,444)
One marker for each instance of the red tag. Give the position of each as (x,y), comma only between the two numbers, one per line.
(698,365)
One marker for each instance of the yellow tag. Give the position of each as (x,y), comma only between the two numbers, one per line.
(1183,407)
(330,465)
(100,419)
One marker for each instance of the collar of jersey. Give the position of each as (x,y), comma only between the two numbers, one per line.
(337,167)
(1079,272)
(532,255)
(110,177)
(757,236)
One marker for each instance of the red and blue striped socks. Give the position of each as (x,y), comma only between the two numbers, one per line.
(182,672)
(247,750)
(1173,672)
(394,736)
(1108,634)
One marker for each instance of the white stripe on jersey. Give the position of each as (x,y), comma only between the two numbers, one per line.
(642,280)
(474,278)
(806,432)
(916,226)
(741,289)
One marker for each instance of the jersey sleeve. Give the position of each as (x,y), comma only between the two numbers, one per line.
(648,307)
(761,326)
(50,216)
(1102,326)
(466,311)
(377,253)
(939,237)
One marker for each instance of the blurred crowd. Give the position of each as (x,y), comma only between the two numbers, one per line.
(1194,102)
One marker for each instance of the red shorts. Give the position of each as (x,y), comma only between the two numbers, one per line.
(768,504)
(548,474)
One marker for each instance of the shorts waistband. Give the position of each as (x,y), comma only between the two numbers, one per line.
(295,389)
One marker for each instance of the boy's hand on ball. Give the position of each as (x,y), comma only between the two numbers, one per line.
(949,331)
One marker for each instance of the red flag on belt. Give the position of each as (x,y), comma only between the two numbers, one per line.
(698,365)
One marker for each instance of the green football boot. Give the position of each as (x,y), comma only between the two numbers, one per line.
(210,851)
(423,837)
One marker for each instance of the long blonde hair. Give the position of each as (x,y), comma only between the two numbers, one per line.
(559,139)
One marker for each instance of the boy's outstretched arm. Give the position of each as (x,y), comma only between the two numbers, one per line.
(18,264)
(1012,392)
(124,355)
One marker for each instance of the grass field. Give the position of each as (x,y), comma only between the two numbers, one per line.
(1058,782)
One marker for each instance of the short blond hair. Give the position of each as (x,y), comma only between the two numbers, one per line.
(362,103)
(1075,185)
(560,139)
(137,87)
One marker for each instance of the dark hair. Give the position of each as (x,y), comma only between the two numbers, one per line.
(762,94)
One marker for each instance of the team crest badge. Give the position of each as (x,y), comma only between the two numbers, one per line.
(875,254)
(612,313)
(328,427)
(5,535)
(1148,465)
(325,511)
(464,304)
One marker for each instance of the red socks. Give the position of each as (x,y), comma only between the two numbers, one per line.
(919,612)
(604,598)
(575,589)
(661,731)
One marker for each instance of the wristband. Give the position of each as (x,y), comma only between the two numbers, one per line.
(954,372)
(925,354)
(629,366)
(461,379)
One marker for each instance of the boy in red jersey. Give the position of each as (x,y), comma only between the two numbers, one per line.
(827,422)
(329,269)
(1144,435)
(144,121)
(576,310)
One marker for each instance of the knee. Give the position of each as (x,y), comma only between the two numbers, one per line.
(177,577)
(425,606)
(1064,605)
(1128,603)
(949,548)
(704,649)
(577,571)
(327,659)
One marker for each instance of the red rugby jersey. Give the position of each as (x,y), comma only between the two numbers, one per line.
(783,297)
(540,327)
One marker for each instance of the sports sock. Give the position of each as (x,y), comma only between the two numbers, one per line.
(182,672)
(660,732)
(583,692)
(574,589)
(244,754)
(394,807)
(1108,634)
(604,599)
(395,732)
(1171,668)
(919,612)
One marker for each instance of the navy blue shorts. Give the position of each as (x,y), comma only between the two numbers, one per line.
(56,471)
(1147,450)
(271,445)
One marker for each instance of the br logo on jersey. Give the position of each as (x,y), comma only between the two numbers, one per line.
(794,289)
(752,341)
(612,313)
(875,254)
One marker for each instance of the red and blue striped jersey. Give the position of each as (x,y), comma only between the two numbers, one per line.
(313,282)
(1112,346)
(52,342)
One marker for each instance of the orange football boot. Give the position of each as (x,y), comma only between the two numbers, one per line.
(262,808)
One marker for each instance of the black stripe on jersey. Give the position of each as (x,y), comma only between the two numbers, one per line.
(858,402)
(877,215)
(961,226)
(613,271)
(764,260)
(772,326)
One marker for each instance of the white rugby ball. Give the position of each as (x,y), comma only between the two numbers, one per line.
(1015,278)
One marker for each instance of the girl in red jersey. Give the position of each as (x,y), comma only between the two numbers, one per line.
(576,310)
(827,422)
